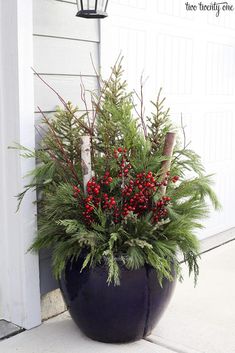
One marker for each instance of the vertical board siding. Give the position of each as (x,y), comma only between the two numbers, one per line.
(175,8)
(220,69)
(63,48)
(178,64)
(192,56)
(136,4)
(130,42)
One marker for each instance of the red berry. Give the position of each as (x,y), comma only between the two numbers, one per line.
(175,178)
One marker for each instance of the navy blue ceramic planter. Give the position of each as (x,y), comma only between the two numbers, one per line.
(115,314)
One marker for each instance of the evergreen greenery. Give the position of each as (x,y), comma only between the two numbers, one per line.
(74,224)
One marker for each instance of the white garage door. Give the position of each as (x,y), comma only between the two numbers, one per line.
(192,56)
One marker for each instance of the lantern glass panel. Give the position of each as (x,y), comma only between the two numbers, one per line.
(87,5)
(92,8)
(91,4)
(101,5)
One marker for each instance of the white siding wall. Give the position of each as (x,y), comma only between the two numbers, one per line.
(192,56)
(63,46)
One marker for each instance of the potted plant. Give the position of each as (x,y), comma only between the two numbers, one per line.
(117,207)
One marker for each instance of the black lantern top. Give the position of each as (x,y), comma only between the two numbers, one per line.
(92,8)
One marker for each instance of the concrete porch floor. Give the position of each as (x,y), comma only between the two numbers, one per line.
(198,320)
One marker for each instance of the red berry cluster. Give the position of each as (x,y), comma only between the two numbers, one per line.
(76,191)
(138,196)
(146,182)
(175,178)
(93,188)
(97,198)
(136,193)
(92,201)
(121,155)
(119,151)
(107,179)
(116,215)
(167,178)
(159,211)
(108,202)
(89,208)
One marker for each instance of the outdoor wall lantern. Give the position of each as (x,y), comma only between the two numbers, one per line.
(92,8)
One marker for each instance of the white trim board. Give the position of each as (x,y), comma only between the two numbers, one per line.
(217,240)
(19,280)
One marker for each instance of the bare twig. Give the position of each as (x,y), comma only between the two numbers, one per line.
(92,105)
(83,98)
(185,143)
(142,108)
(183,129)
(96,72)
(86,129)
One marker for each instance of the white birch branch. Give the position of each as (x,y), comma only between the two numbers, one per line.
(86,160)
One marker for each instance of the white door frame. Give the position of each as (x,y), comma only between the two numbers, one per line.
(19,270)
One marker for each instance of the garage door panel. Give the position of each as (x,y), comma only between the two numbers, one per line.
(192,56)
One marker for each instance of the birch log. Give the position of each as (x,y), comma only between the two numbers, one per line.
(86,160)
(167,151)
